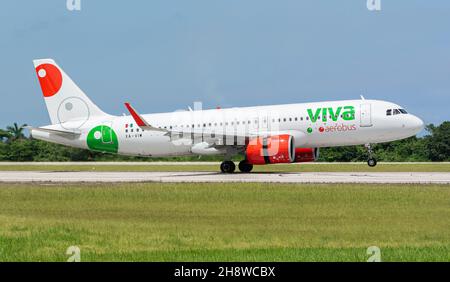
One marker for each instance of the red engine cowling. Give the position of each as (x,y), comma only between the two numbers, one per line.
(271,150)
(303,155)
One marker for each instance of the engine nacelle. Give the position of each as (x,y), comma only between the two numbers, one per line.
(271,150)
(303,155)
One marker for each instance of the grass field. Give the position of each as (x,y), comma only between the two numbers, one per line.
(310,167)
(224,222)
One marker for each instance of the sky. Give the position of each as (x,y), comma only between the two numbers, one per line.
(163,55)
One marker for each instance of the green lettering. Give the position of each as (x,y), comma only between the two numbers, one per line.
(349,114)
(314,117)
(335,116)
(324,114)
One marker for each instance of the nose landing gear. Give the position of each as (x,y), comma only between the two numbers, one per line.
(372,161)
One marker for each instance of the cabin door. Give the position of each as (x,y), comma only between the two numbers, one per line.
(366,115)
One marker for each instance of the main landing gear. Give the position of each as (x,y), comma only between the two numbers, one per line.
(230,167)
(227,167)
(245,167)
(371,161)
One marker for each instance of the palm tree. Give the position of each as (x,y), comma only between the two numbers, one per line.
(16,131)
(4,134)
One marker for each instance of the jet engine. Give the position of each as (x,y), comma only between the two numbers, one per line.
(271,150)
(303,155)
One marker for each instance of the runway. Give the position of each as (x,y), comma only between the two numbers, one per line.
(205,177)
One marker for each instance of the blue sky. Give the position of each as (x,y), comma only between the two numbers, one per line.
(163,55)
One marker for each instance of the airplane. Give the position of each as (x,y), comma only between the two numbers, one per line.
(289,133)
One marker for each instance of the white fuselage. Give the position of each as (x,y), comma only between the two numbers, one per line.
(196,132)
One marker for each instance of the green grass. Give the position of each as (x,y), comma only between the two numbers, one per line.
(338,167)
(224,222)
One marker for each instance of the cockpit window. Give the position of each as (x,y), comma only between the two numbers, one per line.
(391,112)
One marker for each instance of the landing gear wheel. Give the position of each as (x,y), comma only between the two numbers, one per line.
(372,162)
(245,167)
(227,167)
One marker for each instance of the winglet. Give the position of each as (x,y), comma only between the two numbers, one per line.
(137,118)
(140,121)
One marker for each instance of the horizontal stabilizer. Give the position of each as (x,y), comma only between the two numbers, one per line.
(63,133)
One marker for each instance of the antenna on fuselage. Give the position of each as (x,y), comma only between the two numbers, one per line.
(362,97)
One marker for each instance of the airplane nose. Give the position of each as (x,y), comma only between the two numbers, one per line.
(416,124)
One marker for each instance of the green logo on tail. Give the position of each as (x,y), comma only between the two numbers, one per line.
(103,139)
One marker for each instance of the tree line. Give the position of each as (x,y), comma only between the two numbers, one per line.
(434,146)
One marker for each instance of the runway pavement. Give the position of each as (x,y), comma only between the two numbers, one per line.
(295,177)
(190,163)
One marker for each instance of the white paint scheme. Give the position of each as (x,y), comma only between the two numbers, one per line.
(371,124)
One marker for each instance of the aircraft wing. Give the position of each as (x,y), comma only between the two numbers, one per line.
(144,124)
(214,138)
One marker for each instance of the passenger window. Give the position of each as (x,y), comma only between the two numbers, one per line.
(389,112)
